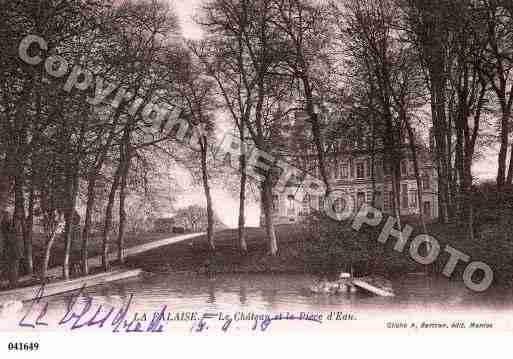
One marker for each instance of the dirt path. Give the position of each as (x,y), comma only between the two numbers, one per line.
(132,251)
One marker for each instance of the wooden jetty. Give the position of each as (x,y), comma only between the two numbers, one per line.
(29,293)
(374,284)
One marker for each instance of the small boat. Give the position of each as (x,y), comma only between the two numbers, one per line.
(347,284)
(376,285)
(342,285)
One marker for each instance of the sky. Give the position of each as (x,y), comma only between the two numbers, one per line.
(185,10)
(483,169)
(225,205)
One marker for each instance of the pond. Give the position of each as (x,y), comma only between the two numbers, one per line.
(418,298)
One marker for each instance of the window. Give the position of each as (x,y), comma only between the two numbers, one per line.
(360,199)
(391,200)
(276,202)
(313,202)
(344,171)
(426,183)
(427,209)
(290,210)
(321,203)
(404,168)
(332,170)
(290,198)
(404,196)
(413,199)
(305,208)
(360,170)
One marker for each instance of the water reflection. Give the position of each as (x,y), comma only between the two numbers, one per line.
(243,296)
(274,292)
(211,296)
(281,293)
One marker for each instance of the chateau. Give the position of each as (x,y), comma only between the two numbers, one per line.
(350,172)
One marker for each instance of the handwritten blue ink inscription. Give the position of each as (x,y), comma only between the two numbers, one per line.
(81,312)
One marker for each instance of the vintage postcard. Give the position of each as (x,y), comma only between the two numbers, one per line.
(243,168)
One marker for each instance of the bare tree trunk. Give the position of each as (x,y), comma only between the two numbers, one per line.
(29,231)
(266,192)
(243,247)
(267,200)
(46,259)
(471,231)
(416,170)
(461,190)
(442,193)
(450,171)
(437,81)
(19,212)
(11,246)
(509,179)
(71,193)
(52,230)
(317,135)
(4,189)
(208,195)
(122,221)
(418,179)
(503,152)
(469,204)
(122,211)
(107,228)
(373,243)
(91,197)
(67,243)
(396,188)
(373,176)
(443,185)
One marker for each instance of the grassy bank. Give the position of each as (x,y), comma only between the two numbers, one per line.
(323,249)
(194,255)
(301,252)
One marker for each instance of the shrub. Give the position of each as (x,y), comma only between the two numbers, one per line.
(335,247)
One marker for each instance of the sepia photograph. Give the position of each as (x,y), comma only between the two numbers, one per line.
(249,167)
